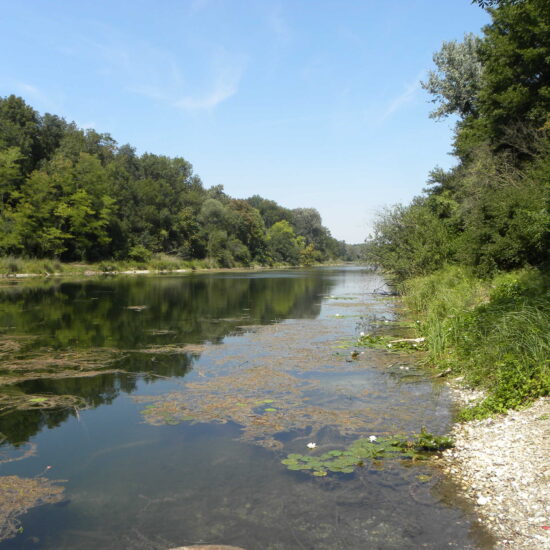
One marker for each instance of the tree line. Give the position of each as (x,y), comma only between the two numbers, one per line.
(491,211)
(76,195)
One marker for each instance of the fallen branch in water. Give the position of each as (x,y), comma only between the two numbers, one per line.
(442,374)
(412,340)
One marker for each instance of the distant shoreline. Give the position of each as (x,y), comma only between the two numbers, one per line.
(89,271)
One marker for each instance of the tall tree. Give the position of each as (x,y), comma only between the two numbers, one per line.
(455,83)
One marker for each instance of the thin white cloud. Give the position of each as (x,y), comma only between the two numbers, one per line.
(402,99)
(227,74)
(28,88)
(33,94)
(278,25)
(198,5)
(150,91)
(223,90)
(161,75)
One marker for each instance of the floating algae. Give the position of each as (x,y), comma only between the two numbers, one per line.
(13,343)
(50,364)
(240,398)
(17,400)
(288,378)
(264,401)
(8,455)
(193,349)
(18,495)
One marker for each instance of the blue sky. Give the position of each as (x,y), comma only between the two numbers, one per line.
(308,102)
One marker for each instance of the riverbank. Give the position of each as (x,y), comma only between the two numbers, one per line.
(501,465)
(30,269)
(495,333)
(490,338)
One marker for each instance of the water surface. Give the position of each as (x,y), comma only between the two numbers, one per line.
(210,381)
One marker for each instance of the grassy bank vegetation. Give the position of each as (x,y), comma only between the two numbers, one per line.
(10,266)
(472,253)
(495,332)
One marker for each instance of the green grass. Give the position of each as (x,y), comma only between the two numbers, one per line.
(11,266)
(496,333)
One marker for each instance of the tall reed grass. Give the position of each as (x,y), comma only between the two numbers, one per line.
(496,333)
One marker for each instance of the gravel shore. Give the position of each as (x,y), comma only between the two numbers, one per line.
(503,466)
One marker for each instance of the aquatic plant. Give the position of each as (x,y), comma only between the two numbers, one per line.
(374,448)
(390,343)
(18,495)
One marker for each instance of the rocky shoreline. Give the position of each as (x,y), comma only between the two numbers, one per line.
(502,465)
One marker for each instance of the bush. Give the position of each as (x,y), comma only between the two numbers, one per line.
(139,254)
(410,241)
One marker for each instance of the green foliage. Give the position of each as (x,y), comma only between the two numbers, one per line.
(515,53)
(496,333)
(10,175)
(389,343)
(410,241)
(283,245)
(270,211)
(139,254)
(307,224)
(456,83)
(347,460)
(76,195)
(428,442)
(309,255)
(248,227)
(491,211)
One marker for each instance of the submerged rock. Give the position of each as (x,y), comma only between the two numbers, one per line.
(207,547)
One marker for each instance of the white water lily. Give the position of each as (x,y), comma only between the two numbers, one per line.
(361,334)
(311,445)
(372,438)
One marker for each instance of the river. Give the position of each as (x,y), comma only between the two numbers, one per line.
(164,405)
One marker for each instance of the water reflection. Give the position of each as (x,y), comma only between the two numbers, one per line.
(152,487)
(64,317)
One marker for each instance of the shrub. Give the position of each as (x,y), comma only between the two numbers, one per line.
(139,254)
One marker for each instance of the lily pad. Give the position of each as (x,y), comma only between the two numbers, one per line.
(346,461)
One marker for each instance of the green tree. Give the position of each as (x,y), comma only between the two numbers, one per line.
(515,54)
(410,240)
(248,227)
(283,245)
(10,174)
(19,127)
(270,211)
(456,82)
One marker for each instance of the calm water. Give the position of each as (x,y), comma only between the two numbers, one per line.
(194,473)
